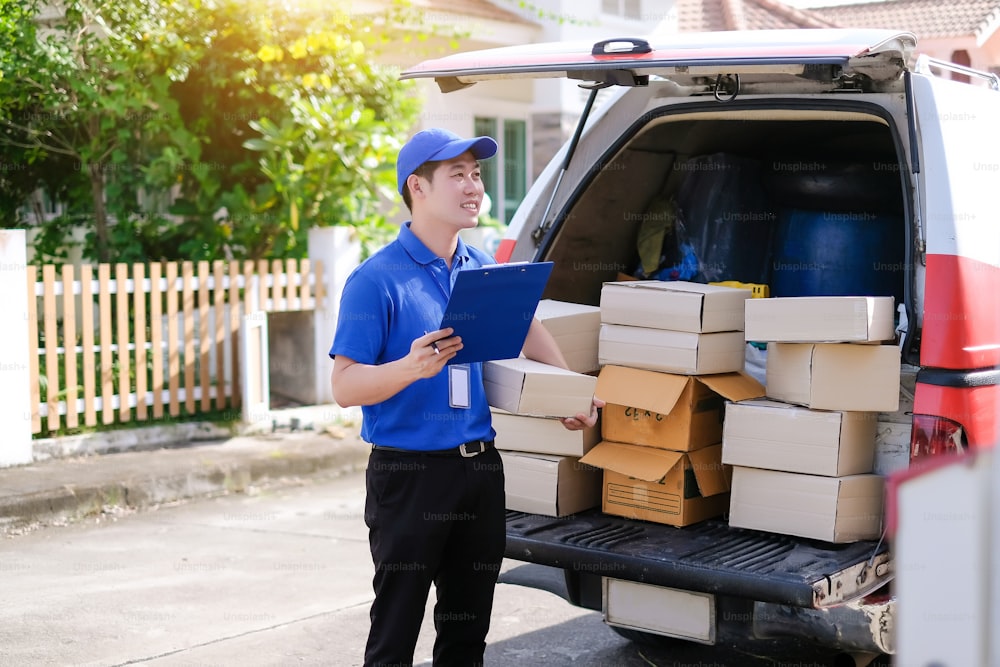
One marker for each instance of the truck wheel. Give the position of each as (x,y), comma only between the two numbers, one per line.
(645,638)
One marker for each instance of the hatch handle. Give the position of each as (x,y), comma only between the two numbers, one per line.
(637,46)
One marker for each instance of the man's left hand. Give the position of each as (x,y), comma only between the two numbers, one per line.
(582,421)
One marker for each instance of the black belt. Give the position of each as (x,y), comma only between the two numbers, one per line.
(466,449)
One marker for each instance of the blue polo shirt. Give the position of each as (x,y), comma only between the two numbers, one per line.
(396,295)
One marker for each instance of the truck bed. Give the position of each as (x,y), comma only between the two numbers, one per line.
(708,557)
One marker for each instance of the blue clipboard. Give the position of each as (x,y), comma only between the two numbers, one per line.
(491,308)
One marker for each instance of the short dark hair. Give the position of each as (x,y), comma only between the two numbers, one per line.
(426,170)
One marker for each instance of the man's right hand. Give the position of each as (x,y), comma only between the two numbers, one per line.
(365,384)
(429,353)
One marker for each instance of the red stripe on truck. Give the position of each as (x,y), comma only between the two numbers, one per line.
(961,328)
(504,251)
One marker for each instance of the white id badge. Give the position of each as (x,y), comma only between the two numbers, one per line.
(459,386)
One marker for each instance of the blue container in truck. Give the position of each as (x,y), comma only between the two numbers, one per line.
(834,253)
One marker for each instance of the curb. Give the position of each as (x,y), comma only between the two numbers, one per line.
(135,439)
(63,491)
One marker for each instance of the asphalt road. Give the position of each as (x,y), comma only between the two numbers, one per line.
(278,577)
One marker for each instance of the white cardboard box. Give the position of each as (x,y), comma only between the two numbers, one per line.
(834,376)
(779,436)
(576,328)
(833,509)
(671,351)
(818,319)
(550,485)
(527,387)
(542,436)
(673,305)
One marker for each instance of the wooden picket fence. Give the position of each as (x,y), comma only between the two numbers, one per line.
(145,342)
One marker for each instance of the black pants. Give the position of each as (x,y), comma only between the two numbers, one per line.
(440,520)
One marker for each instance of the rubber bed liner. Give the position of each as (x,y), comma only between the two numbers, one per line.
(708,557)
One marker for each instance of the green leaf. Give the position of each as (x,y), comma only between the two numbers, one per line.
(257,145)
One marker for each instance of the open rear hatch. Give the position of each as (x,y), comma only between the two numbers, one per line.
(826,59)
(708,557)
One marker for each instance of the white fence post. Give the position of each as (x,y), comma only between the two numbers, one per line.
(340,251)
(15,406)
(254,365)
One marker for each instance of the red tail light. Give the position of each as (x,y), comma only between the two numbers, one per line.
(934,436)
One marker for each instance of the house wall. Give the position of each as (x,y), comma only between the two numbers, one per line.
(985,57)
(560,102)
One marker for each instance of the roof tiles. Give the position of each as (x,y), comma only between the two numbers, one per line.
(716,15)
(924,18)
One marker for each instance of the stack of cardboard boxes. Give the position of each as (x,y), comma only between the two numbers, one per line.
(671,353)
(541,457)
(803,461)
(685,434)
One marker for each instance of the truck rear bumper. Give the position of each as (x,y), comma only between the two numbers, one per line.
(861,626)
(764,588)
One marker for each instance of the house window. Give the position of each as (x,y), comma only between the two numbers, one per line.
(505,176)
(630,9)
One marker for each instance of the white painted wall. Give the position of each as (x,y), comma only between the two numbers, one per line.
(340,251)
(15,407)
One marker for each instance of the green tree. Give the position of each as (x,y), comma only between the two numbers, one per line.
(301,87)
(202,129)
(89,87)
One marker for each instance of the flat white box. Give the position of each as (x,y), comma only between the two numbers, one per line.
(542,436)
(820,319)
(779,436)
(834,376)
(673,305)
(833,509)
(671,351)
(576,328)
(550,485)
(527,387)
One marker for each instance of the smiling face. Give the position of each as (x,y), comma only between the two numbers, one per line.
(452,195)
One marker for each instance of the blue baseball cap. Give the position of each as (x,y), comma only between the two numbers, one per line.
(438,144)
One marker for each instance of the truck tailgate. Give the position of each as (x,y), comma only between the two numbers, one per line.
(709,557)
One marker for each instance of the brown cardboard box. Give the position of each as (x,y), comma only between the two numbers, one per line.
(526,387)
(575,328)
(668,411)
(549,485)
(671,351)
(542,436)
(818,319)
(834,376)
(834,509)
(678,306)
(779,436)
(676,488)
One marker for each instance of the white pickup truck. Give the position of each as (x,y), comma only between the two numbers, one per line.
(904,163)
